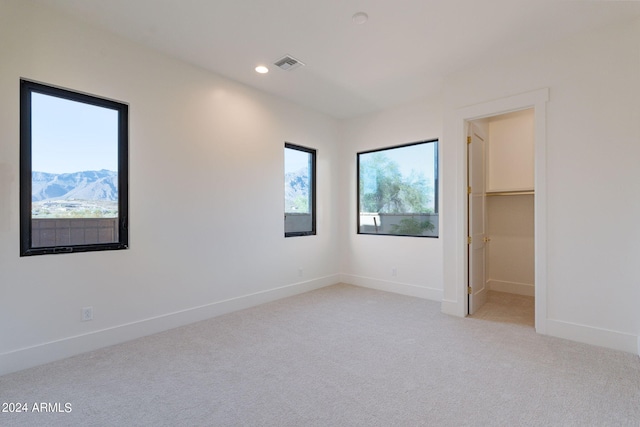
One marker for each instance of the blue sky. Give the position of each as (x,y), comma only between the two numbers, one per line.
(294,160)
(70,136)
(415,158)
(418,158)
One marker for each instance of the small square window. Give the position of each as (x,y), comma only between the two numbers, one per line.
(398,190)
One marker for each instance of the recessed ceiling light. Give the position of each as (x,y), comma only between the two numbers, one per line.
(262,69)
(360,18)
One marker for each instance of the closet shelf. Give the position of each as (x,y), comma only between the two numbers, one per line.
(510,193)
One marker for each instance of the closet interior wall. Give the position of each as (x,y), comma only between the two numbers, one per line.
(510,202)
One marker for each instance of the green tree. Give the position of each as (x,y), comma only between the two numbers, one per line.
(301,204)
(412,227)
(383,188)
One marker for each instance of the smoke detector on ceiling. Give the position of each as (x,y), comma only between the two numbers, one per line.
(360,18)
(288,63)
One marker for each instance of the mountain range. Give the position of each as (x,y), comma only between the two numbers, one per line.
(86,185)
(296,191)
(103,185)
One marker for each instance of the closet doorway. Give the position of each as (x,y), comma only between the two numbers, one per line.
(500,218)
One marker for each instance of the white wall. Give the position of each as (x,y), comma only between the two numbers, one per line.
(510,252)
(206,196)
(368,260)
(592,178)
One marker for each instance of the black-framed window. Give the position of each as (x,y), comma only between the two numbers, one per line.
(398,190)
(73,171)
(299,190)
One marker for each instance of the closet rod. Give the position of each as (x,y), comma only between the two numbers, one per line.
(510,193)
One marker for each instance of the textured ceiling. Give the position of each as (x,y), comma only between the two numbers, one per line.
(403,52)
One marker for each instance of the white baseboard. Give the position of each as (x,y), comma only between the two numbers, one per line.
(396,287)
(478,300)
(40,354)
(511,287)
(595,336)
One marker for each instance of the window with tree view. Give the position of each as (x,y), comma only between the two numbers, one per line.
(73,171)
(398,190)
(299,190)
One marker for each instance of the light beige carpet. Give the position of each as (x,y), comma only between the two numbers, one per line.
(338,356)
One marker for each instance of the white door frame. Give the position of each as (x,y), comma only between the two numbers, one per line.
(453,214)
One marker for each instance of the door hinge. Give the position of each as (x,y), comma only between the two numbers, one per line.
(469,290)
(468,140)
(469,240)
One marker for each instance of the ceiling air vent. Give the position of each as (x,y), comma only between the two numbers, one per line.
(288,63)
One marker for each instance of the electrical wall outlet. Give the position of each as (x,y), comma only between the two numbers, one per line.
(394,272)
(300,272)
(87,313)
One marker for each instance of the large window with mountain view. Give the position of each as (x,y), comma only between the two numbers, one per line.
(299,190)
(398,190)
(73,171)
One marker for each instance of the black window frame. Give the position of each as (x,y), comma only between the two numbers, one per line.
(27,87)
(313,153)
(436,185)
